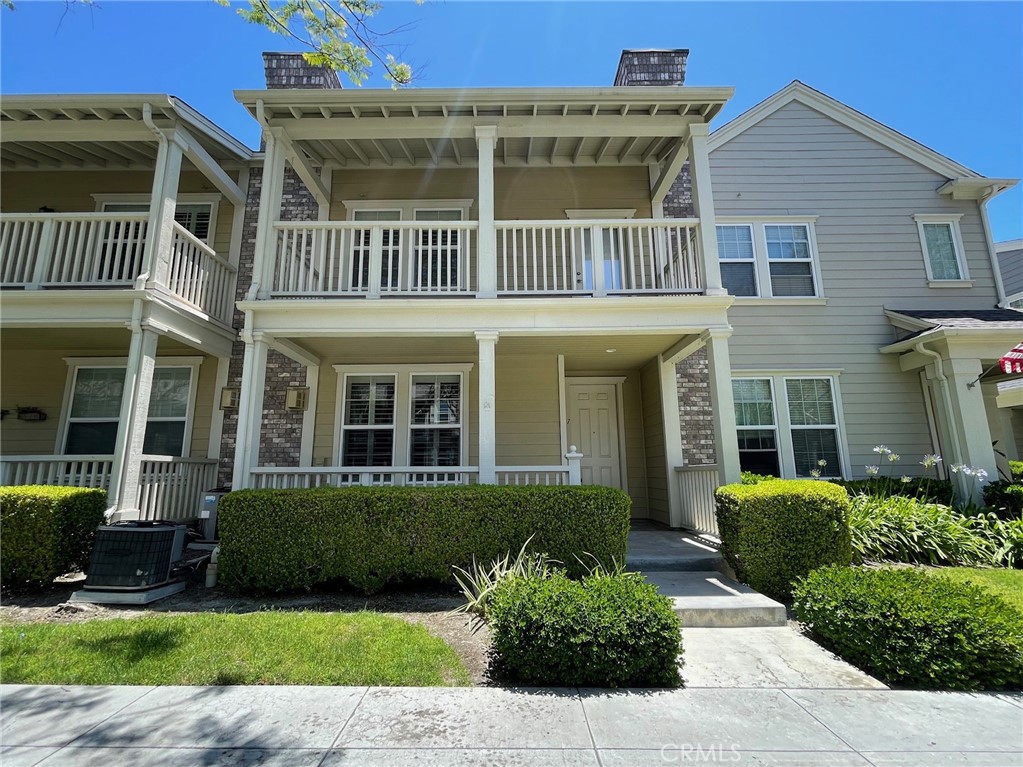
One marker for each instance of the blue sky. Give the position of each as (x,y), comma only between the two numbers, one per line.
(950,75)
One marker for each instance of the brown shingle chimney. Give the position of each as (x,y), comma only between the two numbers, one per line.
(291,70)
(652,67)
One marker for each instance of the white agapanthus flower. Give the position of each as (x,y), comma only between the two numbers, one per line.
(815,473)
(930,460)
(822,463)
(893,457)
(980,474)
(882,450)
(905,480)
(872,470)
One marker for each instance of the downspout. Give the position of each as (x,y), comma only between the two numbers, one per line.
(939,372)
(985,225)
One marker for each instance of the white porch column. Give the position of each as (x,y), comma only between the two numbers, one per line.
(486,240)
(726,441)
(160,231)
(672,437)
(312,382)
(269,211)
(487,340)
(250,412)
(131,428)
(703,205)
(969,417)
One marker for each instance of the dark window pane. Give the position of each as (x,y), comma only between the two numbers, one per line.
(367,447)
(791,279)
(164,438)
(760,462)
(757,439)
(91,438)
(812,445)
(739,279)
(436,447)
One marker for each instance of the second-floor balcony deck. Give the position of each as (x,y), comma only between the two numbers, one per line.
(54,251)
(333,259)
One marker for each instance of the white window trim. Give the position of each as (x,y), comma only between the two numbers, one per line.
(408,208)
(753,261)
(776,426)
(213,200)
(402,415)
(952,221)
(779,378)
(762,264)
(75,363)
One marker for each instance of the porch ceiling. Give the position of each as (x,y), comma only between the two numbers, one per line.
(44,132)
(85,341)
(551,126)
(582,353)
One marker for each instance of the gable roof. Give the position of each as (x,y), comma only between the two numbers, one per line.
(846,115)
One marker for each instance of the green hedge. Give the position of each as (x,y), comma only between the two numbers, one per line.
(1016,467)
(779,530)
(280,540)
(602,631)
(47,531)
(1005,499)
(907,628)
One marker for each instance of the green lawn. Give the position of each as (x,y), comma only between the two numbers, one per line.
(1008,584)
(258,648)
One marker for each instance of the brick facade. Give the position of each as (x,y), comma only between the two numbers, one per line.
(692,375)
(281,433)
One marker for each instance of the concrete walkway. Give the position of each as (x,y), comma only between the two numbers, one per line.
(308,726)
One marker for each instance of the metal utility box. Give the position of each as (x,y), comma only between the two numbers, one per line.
(208,512)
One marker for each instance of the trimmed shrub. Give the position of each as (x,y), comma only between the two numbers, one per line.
(777,531)
(1005,499)
(1016,467)
(281,540)
(750,478)
(47,531)
(900,529)
(602,631)
(907,628)
(923,489)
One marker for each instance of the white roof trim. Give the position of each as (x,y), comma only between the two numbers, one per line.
(1008,245)
(836,110)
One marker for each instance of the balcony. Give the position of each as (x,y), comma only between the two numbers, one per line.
(337,259)
(61,251)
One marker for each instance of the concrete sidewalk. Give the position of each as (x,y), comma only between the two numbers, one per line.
(186,726)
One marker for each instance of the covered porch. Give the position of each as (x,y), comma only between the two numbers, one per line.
(507,407)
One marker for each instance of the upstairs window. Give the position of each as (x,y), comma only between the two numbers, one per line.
(769,259)
(942,248)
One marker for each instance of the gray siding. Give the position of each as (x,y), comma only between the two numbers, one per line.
(800,162)
(1010,263)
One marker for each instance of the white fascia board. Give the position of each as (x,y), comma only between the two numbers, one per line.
(846,115)
(1008,246)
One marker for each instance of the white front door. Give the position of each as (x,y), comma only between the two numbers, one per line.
(593,428)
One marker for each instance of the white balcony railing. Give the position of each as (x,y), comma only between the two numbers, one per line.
(697,485)
(169,487)
(533,475)
(282,478)
(598,257)
(201,277)
(107,250)
(351,258)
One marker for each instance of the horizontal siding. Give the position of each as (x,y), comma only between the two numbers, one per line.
(653,432)
(635,444)
(800,162)
(1010,264)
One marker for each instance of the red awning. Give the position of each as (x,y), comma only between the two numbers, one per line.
(1012,362)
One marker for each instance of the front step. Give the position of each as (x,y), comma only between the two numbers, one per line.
(671,551)
(708,599)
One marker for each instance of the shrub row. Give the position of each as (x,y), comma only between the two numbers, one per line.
(601,631)
(281,540)
(1005,499)
(47,531)
(776,531)
(907,628)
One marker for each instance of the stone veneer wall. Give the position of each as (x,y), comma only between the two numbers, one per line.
(692,375)
(281,433)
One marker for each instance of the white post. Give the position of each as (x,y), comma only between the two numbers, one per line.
(703,206)
(487,340)
(44,256)
(250,412)
(131,427)
(376,261)
(726,440)
(597,260)
(486,239)
(312,381)
(971,422)
(574,458)
(160,230)
(672,438)
(269,211)
(217,421)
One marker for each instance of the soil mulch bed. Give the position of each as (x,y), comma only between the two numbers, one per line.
(428,607)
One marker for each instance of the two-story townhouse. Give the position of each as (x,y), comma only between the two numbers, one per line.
(119,243)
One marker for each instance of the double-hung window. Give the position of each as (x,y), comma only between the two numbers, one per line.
(774,258)
(367,433)
(788,425)
(435,437)
(95,408)
(943,249)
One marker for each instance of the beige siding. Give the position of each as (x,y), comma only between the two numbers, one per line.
(635,444)
(71,192)
(653,432)
(520,193)
(44,388)
(799,162)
